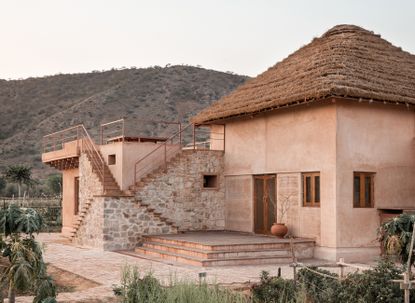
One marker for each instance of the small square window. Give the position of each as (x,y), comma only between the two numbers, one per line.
(363,186)
(210,181)
(112,160)
(311,189)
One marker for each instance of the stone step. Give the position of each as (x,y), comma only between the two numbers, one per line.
(191,260)
(203,254)
(284,244)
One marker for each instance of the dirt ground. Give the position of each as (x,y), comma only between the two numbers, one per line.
(69,282)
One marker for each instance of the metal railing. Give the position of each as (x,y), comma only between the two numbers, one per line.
(191,137)
(120,130)
(84,143)
(113,129)
(55,141)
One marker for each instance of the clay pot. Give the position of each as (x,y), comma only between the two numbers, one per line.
(279,230)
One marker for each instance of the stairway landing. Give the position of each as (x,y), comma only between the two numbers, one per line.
(223,248)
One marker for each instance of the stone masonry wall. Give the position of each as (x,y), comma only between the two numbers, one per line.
(91,231)
(125,221)
(89,184)
(179,194)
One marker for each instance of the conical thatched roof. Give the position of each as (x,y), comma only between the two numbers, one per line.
(347,61)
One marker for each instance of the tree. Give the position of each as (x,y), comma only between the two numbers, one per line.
(20,175)
(26,269)
(54,183)
(2,185)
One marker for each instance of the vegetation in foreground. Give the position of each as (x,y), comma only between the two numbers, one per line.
(369,286)
(315,286)
(134,289)
(23,268)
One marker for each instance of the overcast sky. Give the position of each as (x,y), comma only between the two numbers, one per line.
(44,37)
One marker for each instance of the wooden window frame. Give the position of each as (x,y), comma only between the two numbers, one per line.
(313,202)
(362,176)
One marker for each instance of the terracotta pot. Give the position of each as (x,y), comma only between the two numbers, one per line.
(279,230)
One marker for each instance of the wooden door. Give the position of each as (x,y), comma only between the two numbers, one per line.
(76,196)
(264,198)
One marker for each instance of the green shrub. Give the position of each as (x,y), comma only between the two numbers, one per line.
(274,290)
(395,237)
(134,289)
(317,285)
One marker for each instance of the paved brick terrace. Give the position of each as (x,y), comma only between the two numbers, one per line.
(104,268)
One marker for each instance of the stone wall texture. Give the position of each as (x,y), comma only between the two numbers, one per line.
(179,195)
(117,223)
(125,221)
(91,231)
(89,184)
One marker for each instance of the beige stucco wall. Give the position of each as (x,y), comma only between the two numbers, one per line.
(380,139)
(335,139)
(68,150)
(297,140)
(301,221)
(68,199)
(217,137)
(127,154)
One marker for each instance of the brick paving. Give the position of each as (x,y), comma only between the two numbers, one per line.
(104,267)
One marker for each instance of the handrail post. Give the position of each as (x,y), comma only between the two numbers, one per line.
(123,129)
(101,130)
(77,139)
(194,136)
(180,134)
(165,157)
(135,174)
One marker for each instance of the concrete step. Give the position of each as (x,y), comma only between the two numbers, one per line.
(191,260)
(203,254)
(225,247)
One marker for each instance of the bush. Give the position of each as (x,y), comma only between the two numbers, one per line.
(274,290)
(134,289)
(369,286)
(395,237)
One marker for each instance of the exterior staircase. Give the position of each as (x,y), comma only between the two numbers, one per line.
(207,253)
(151,176)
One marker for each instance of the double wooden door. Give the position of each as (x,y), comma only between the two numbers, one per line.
(264,201)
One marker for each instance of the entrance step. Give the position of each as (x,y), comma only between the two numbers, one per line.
(244,249)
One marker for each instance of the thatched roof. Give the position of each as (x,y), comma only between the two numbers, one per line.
(347,61)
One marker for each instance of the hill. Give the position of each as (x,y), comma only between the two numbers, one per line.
(34,107)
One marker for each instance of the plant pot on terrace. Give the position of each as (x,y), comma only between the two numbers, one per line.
(281,206)
(279,230)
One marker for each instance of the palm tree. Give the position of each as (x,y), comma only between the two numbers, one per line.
(20,175)
(26,269)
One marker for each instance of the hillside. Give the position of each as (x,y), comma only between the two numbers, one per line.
(34,107)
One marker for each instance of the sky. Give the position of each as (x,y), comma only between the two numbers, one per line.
(46,37)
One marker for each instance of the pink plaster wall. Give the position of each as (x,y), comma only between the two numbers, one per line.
(374,138)
(68,199)
(297,140)
(127,154)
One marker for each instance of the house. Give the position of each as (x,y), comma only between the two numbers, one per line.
(329,131)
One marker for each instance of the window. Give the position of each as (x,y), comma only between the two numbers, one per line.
(311,189)
(111,159)
(363,189)
(210,181)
